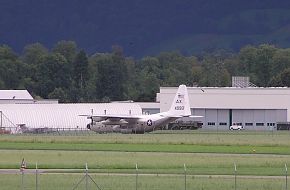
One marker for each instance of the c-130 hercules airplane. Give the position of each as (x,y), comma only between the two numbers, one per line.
(142,123)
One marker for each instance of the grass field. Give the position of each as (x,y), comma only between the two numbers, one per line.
(156,182)
(149,162)
(277,138)
(204,153)
(180,148)
(152,162)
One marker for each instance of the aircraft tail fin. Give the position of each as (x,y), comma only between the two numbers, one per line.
(180,105)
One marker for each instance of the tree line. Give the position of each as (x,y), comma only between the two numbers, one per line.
(69,74)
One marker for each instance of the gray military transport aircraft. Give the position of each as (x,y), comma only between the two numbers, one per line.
(24,129)
(142,123)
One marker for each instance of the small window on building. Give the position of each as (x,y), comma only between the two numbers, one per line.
(270,124)
(237,123)
(211,123)
(249,124)
(259,124)
(223,123)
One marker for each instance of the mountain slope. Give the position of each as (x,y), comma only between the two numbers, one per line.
(145,27)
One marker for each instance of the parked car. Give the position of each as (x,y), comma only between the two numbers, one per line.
(236,127)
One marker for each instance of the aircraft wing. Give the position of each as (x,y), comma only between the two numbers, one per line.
(112,117)
(180,116)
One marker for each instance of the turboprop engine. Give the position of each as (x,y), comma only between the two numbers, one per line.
(114,122)
(96,119)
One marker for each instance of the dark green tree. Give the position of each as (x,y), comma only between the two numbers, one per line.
(111,75)
(80,70)
(54,73)
(130,82)
(10,69)
(148,86)
(33,56)
(282,79)
(68,49)
(263,62)
(280,61)
(285,77)
(2,85)
(93,82)
(214,72)
(60,94)
(247,63)
(33,53)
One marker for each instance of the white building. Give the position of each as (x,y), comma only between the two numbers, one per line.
(59,115)
(12,96)
(254,108)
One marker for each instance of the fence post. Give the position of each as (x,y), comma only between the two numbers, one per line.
(36,177)
(136,176)
(235,176)
(286,175)
(1,118)
(86,176)
(184,176)
(22,168)
(22,179)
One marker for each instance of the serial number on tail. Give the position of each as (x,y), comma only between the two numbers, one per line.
(179,107)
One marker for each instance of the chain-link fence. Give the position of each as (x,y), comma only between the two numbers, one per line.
(45,131)
(137,180)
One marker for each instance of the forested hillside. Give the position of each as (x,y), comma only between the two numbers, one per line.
(146,27)
(70,74)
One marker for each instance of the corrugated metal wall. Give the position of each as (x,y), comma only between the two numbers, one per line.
(61,115)
(257,119)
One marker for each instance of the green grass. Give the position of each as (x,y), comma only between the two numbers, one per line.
(252,138)
(277,138)
(180,148)
(156,182)
(148,162)
(188,142)
(255,153)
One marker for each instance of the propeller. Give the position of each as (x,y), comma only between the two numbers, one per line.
(92,121)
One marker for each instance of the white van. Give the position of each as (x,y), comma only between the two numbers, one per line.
(236,127)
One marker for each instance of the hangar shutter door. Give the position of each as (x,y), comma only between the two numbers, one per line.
(238,116)
(281,115)
(211,117)
(223,118)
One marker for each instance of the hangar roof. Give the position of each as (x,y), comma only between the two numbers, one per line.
(61,115)
(230,98)
(149,105)
(15,95)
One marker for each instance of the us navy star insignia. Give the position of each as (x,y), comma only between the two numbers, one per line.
(149,122)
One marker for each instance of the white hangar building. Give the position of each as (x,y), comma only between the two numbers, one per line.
(12,96)
(253,107)
(54,115)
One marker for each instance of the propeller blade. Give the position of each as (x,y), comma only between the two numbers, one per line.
(92,121)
